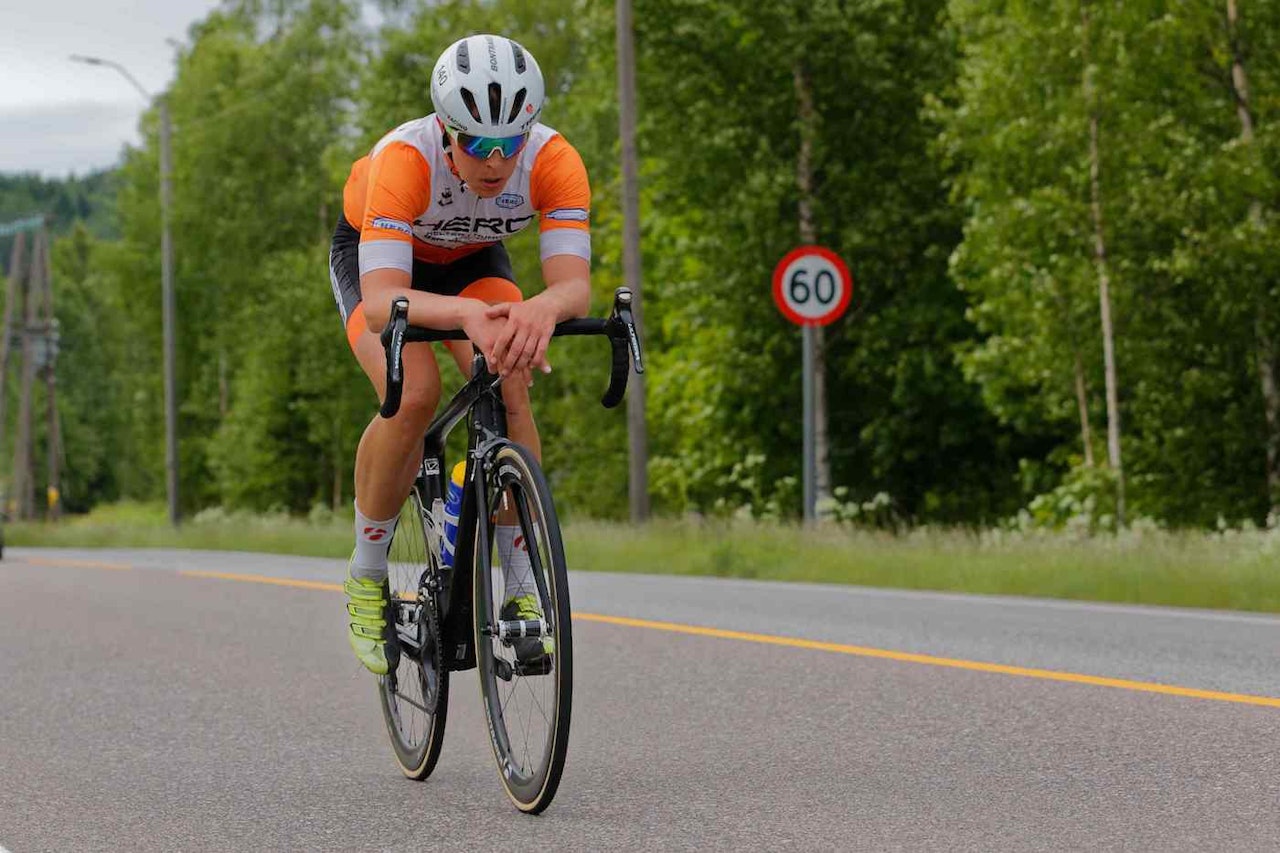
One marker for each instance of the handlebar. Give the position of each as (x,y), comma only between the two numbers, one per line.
(619,327)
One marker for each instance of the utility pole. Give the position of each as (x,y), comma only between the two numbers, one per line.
(29,323)
(23,479)
(168,305)
(637,431)
(45,330)
(15,285)
(169,311)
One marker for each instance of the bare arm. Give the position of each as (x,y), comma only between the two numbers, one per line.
(378,288)
(568,279)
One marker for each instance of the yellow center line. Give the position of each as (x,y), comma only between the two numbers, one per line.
(228,576)
(931,660)
(74,564)
(771,639)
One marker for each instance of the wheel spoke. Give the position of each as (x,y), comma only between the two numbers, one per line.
(412,702)
(534,697)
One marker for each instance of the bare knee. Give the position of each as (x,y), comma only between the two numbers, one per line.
(417,405)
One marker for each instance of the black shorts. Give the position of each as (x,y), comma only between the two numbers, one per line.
(446,279)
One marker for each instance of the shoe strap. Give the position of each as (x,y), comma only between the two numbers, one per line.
(367,632)
(364,591)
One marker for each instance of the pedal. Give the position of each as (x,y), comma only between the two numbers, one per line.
(516,629)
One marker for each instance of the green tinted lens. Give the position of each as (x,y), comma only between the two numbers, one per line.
(484,146)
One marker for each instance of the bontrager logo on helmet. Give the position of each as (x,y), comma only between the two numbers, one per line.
(487,85)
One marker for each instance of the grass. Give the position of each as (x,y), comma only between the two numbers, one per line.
(1237,570)
(130,525)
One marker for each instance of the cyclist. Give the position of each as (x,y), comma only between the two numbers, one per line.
(424,216)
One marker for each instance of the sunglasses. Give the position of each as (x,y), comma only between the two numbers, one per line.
(485,147)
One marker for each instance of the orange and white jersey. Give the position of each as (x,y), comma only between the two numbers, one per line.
(408,203)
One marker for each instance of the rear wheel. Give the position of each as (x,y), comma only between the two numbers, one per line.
(415,692)
(525,661)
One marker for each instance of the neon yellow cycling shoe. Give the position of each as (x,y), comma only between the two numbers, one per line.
(367,606)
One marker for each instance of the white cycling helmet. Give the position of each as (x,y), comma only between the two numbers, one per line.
(487,86)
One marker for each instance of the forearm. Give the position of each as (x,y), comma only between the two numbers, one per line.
(568,288)
(571,298)
(380,288)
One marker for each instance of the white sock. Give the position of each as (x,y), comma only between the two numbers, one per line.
(373,538)
(517,569)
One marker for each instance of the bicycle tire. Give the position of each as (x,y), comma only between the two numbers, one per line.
(530,773)
(415,694)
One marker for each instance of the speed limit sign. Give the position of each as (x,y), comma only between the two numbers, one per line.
(812,286)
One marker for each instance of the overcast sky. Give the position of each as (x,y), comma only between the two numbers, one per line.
(58,116)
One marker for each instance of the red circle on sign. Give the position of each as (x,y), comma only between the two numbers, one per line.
(823,258)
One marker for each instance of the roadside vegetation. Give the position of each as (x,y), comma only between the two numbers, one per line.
(1230,569)
(1058,376)
(991,172)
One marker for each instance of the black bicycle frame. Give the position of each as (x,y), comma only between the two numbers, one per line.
(481,397)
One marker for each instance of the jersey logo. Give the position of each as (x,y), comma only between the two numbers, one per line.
(393,225)
(460,229)
(446,197)
(509,200)
(568,214)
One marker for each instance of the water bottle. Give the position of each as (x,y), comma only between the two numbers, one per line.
(452,508)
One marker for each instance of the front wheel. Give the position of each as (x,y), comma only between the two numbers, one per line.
(524,641)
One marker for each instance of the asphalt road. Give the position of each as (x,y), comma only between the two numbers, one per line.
(144,707)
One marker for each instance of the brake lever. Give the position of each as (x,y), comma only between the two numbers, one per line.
(393,341)
(622,311)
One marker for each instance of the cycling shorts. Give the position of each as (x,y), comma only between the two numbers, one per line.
(484,274)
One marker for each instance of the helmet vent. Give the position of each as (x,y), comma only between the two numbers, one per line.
(495,103)
(470,100)
(517,53)
(464,58)
(516,105)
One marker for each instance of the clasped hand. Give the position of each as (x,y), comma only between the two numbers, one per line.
(513,336)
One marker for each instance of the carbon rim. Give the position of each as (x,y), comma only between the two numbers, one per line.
(527,706)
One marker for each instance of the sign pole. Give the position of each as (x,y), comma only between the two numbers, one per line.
(812,288)
(810,427)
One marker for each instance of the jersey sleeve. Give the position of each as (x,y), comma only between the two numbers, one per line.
(560,192)
(398,189)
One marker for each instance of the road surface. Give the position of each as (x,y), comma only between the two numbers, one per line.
(165,700)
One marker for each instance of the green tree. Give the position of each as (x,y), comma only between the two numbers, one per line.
(719,106)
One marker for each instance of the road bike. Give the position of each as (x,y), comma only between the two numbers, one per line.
(445,618)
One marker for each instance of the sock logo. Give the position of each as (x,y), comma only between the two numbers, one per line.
(520,543)
(375,534)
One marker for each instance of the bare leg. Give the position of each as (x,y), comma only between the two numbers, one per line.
(389,451)
(516,568)
(520,424)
